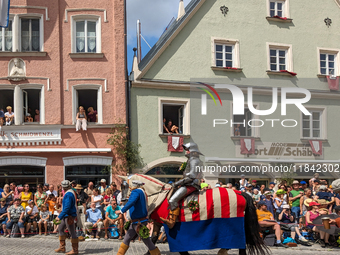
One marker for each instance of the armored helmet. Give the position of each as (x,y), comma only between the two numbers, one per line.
(192,147)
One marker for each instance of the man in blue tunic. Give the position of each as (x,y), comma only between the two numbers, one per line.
(67,216)
(138,210)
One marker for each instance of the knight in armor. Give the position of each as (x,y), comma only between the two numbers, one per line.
(192,175)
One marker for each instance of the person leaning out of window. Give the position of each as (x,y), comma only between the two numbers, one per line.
(81,119)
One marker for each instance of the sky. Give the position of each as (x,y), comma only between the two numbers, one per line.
(154,15)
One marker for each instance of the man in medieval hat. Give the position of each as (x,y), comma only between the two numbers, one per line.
(67,216)
(190,182)
(138,210)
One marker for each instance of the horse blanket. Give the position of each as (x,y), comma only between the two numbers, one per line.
(218,223)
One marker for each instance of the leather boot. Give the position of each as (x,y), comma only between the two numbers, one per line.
(155,252)
(62,247)
(75,243)
(172,218)
(122,249)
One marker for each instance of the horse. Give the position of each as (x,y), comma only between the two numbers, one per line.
(159,193)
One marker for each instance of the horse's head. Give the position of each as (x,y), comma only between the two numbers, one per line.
(125,188)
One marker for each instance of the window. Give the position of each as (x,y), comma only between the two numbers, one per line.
(88,95)
(278,60)
(6,37)
(280,57)
(86,34)
(177,111)
(225,53)
(30,34)
(6,99)
(87,173)
(327,64)
(31,105)
(277,8)
(311,126)
(165,172)
(241,127)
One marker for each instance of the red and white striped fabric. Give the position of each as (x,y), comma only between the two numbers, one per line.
(214,203)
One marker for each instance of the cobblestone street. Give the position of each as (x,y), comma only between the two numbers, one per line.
(37,245)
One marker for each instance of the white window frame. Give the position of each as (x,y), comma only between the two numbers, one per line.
(289,55)
(335,52)
(229,42)
(3,35)
(285,9)
(82,17)
(254,130)
(323,119)
(99,89)
(18,18)
(174,101)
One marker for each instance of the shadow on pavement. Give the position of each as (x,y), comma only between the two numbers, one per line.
(96,251)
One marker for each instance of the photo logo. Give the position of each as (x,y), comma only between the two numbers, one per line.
(204,97)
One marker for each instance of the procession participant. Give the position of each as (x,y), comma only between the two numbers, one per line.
(190,182)
(67,216)
(137,206)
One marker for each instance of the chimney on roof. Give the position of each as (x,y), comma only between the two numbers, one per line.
(181,10)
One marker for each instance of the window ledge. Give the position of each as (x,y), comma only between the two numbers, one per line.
(166,135)
(279,73)
(236,70)
(237,138)
(306,140)
(86,55)
(287,20)
(23,54)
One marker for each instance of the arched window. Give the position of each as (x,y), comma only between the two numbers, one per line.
(166,172)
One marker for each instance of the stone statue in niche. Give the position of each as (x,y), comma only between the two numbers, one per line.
(16,70)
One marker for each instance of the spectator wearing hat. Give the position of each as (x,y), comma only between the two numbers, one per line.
(32,213)
(272,186)
(303,185)
(268,200)
(204,186)
(3,214)
(67,216)
(337,220)
(243,182)
(288,218)
(249,190)
(82,197)
(263,215)
(279,200)
(294,197)
(103,186)
(254,184)
(16,215)
(305,200)
(311,215)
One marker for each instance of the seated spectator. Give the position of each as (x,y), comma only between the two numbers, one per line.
(324,194)
(305,200)
(92,115)
(272,186)
(112,218)
(116,191)
(3,214)
(170,128)
(204,186)
(81,119)
(256,196)
(32,213)
(288,218)
(40,196)
(243,181)
(103,187)
(9,116)
(269,201)
(37,116)
(229,185)
(311,181)
(337,220)
(266,219)
(44,218)
(51,190)
(249,190)
(311,215)
(279,201)
(94,219)
(16,215)
(25,196)
(254,184)
(8,195)
(303,185)
(107,198)
(261,191)
(316,186)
